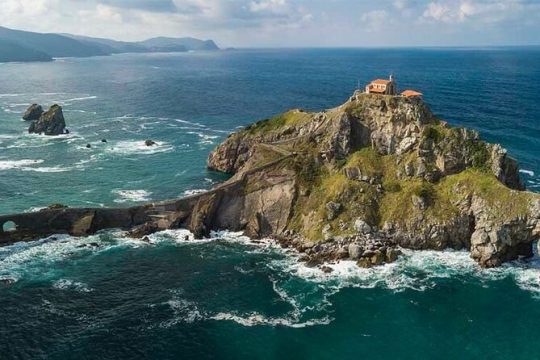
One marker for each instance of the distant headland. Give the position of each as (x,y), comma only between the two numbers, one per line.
(25,46)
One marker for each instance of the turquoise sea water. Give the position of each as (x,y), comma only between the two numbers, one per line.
(108,297)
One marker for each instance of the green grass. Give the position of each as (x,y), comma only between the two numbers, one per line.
(289,118)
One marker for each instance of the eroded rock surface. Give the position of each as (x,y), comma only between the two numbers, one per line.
(50,123)
(33,112)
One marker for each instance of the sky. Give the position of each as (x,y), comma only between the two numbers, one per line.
(288,23)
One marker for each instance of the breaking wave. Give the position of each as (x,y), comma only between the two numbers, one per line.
(131,196)
(306,291)
(66,284)
(139,148)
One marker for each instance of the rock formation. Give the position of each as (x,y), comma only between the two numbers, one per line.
(50,122)
(33,112)
(376,162)
(354,182)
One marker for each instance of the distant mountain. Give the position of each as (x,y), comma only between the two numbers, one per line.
(111,46)
(52,44)
(11,52)
(187,42)
(17,45)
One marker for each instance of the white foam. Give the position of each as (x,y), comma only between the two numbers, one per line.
(132,196)
(528,172)
(205,139)
(256,319)
(193,192)
(34,209)
(19,164)
(66,284)
(38,258)
(139,148)
(82,98)
(190,123)
(50,169)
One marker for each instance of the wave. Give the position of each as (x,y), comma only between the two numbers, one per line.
(66,284)
(132,196)
(184,311)
(255,319)
(30,165)
(18,164)
(192,192)
(139,148)
(82,98)
(418,270)
(527,172)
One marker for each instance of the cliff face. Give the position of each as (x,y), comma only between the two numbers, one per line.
(385,161)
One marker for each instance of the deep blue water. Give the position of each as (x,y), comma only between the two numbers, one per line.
(226,298)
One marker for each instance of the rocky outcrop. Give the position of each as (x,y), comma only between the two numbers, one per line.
(50,122)
(33,112)
(387,162)
(354,182)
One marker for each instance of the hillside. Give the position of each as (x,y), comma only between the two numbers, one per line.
(53,45)
(188,43)
(12,52)
(16,45)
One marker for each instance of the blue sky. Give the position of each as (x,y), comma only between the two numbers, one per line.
(276,23)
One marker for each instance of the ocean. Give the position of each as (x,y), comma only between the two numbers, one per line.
(109,297)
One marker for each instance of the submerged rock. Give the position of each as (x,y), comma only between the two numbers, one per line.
(150,142)
(50,123)
(33,112)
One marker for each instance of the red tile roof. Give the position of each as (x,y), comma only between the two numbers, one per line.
(411,93)
(381,81)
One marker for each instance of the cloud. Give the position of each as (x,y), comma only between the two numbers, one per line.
(486,11)
(376,20)
(149,5)
(287,22)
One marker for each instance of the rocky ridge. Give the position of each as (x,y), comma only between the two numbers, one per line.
(386,162)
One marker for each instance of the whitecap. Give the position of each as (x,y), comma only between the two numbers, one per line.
(205,139)
(527,172)
(18,164)
(66,284)
(37,259)
(190,123)
(49,169)
(34,209)
(132,195)
(139,148)
(256,319)
(192,192)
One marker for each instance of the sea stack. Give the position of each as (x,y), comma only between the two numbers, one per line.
(33,112)
(49,123)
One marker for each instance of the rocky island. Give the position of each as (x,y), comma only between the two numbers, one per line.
(358,182)
(49,122)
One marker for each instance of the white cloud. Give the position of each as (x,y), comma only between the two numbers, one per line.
(286,22)
(375,20)
(459,11)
